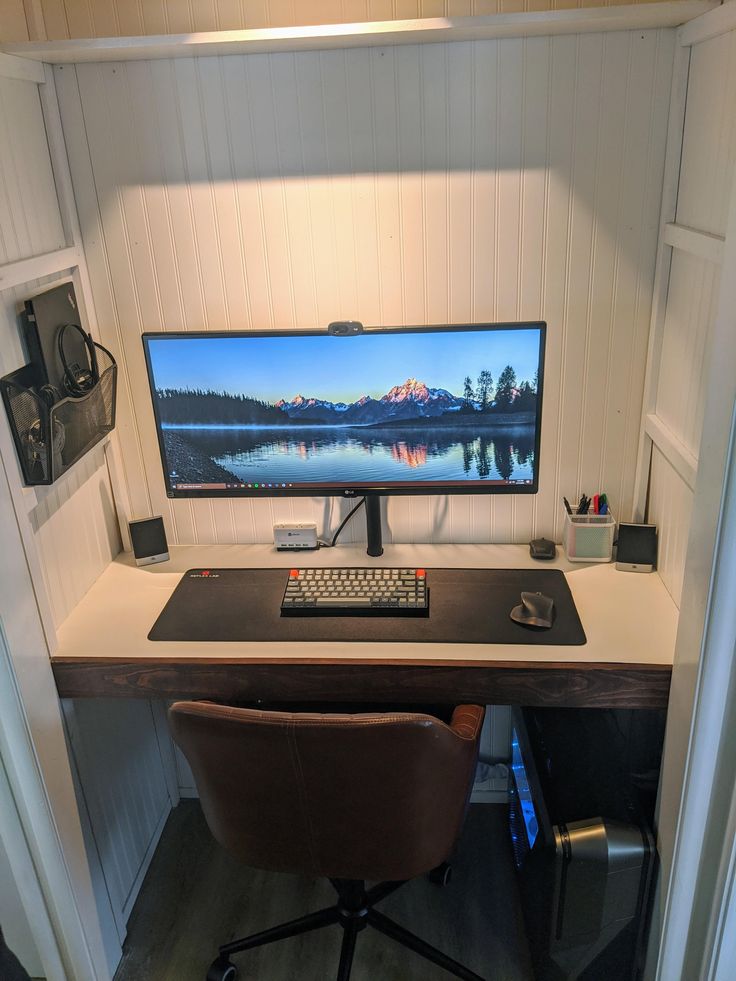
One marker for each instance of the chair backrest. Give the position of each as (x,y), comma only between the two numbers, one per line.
(373,796)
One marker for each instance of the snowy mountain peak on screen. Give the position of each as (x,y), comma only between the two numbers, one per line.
(411,399)
(417,391)
(300,404)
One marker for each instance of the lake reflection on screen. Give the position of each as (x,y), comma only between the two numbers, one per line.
(370,455)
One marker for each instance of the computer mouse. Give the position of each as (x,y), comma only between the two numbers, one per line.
(535,610)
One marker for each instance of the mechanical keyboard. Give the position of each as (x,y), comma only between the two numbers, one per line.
(356,592)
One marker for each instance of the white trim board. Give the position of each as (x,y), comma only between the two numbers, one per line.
(16,837)
(35,267)
(670,13)
(673,450)
(694,242)
(720,20)
(670,190)
(25,69)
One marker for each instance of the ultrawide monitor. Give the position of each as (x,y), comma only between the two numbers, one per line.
(415,410)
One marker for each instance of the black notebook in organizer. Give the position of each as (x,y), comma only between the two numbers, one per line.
(466,606)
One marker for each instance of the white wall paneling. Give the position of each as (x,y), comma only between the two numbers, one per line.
(290,190)
(34,757)
(16,929)
(123,783)
(670,183)
(673,417)
(705,180)
(670,508)
(30,221)
(35,237)
(75,528)
(693,291)
(69,530)
(692,767)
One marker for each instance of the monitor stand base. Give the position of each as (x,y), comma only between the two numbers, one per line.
(373,525)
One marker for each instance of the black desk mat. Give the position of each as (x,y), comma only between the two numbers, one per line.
(466,606)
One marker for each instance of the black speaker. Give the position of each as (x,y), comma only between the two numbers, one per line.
(637,548)
(149,541)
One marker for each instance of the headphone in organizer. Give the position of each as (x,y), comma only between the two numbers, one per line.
(78,379)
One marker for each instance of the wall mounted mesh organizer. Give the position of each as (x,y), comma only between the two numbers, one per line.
(49,439)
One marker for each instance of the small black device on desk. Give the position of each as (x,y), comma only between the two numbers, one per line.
(542,548)
(356,591)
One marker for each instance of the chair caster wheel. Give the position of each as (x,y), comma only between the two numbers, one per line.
(441,875)
(222,970)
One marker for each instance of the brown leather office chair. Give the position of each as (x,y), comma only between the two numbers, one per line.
(378,797)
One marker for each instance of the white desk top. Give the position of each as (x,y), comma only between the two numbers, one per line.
(628,618)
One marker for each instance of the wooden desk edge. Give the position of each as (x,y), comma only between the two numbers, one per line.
(555,683)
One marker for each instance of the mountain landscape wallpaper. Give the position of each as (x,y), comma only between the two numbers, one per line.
(442,407)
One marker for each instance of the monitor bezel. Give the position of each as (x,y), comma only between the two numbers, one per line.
(358,489)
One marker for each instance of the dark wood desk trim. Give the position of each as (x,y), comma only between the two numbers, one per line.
(501,683)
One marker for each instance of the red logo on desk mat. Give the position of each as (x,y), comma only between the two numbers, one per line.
(204,574)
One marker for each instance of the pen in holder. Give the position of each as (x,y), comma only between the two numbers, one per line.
(588,537)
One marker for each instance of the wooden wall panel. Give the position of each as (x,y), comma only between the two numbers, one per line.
(103,18)
(497,180)
(709,142)
(13,26)
(30,222)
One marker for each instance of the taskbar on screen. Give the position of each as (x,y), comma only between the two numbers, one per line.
(316,487)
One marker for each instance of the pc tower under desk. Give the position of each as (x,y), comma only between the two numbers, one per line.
(583,786)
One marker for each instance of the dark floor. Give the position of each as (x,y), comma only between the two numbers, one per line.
(196,897)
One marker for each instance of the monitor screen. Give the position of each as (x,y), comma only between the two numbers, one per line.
(410,410)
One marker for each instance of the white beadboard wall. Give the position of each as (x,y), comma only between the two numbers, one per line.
(73,521)
(74,524)
(670,508)
(706,172)
(691,302)
(480,181)
(106,18)
(30,222)
(709,143)
(123,785)
(73,529)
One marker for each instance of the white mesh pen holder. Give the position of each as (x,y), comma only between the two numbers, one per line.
(589,537)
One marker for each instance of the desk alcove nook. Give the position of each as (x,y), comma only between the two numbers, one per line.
(571,165)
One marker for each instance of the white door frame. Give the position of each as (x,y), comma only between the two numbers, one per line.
(34,758)
(696,808)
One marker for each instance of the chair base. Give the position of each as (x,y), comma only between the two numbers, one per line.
(354,912)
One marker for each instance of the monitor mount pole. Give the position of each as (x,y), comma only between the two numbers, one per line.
(373,524)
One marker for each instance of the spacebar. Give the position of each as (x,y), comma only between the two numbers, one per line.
(343,601)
